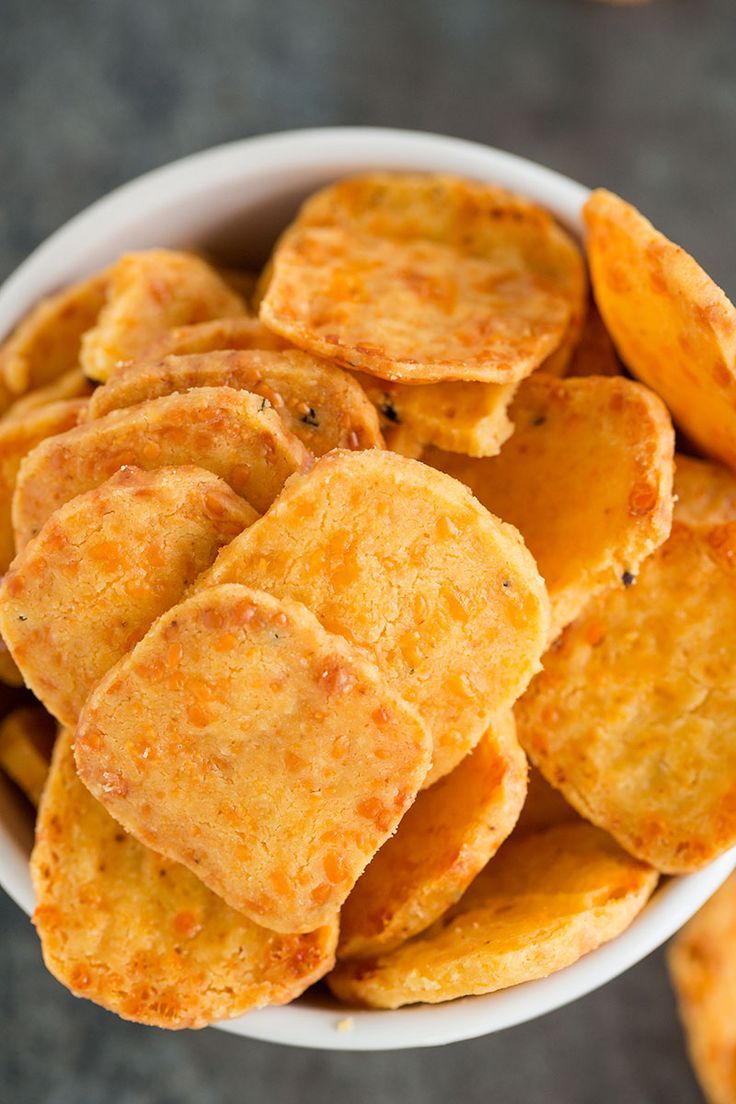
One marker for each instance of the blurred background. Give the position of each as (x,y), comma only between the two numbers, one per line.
(641,98)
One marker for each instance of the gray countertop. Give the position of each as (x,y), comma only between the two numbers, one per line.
(641,99)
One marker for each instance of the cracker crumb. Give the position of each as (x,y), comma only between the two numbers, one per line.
(348,1024)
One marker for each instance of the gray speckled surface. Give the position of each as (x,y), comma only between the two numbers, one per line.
(91,94)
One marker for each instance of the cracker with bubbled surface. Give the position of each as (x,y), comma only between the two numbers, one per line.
(18,437)
(404,562)
(146,294)
(318,402)
(47,342)
(632,718)
(142,936)
(102,569)
(424,278)
(233,434)
(672,325)
(446,838)
(587,479)
(702,962)
(269,756)
(544,901)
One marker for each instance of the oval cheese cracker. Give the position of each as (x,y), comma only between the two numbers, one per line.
(587,479)
(543,902)
(102,569)
(47,342)
(319,403)
(423,278)
(18,437)
(404,562)
(633,715)
(142,936)
(702,963)
(446,838)
(266,754)
(673,326)
(148,293)
(231,433)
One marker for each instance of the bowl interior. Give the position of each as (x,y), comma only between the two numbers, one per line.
(233,201)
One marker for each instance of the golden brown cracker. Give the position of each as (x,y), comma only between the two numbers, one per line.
(702,961)
(425,278)
(142,936)
(446,838)
(673,326)
(242,739)
(233,434)
(404,562)
(26,740)
(210,337)
(70,385)
(633,715)
(586,478)
(318,402)
(47,342)
(705,493)
(102,569)
(543,901)
(471,418)
(18,437)
(147,294)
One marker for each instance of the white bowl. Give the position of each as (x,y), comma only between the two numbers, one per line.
(234,200)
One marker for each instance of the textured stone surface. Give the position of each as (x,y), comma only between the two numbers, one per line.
(642,99)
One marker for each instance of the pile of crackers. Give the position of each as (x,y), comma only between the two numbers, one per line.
(305,566)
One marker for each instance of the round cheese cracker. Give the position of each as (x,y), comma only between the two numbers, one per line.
(633,715)
(47,342)
(319,403)
(142,936)
(543,902)
(446,838)
(266,754)
(702,963)
(424,278)
(231,433)
(587,479)
(462,417)
(18,437)
(148,293)
(102,569)
(211,337)
(405,563)
(26,740)
(674,328)
(705,493)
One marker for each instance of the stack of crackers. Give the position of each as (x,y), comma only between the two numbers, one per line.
(306,566)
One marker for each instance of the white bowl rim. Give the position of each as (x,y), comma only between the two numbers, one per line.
(79,247)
